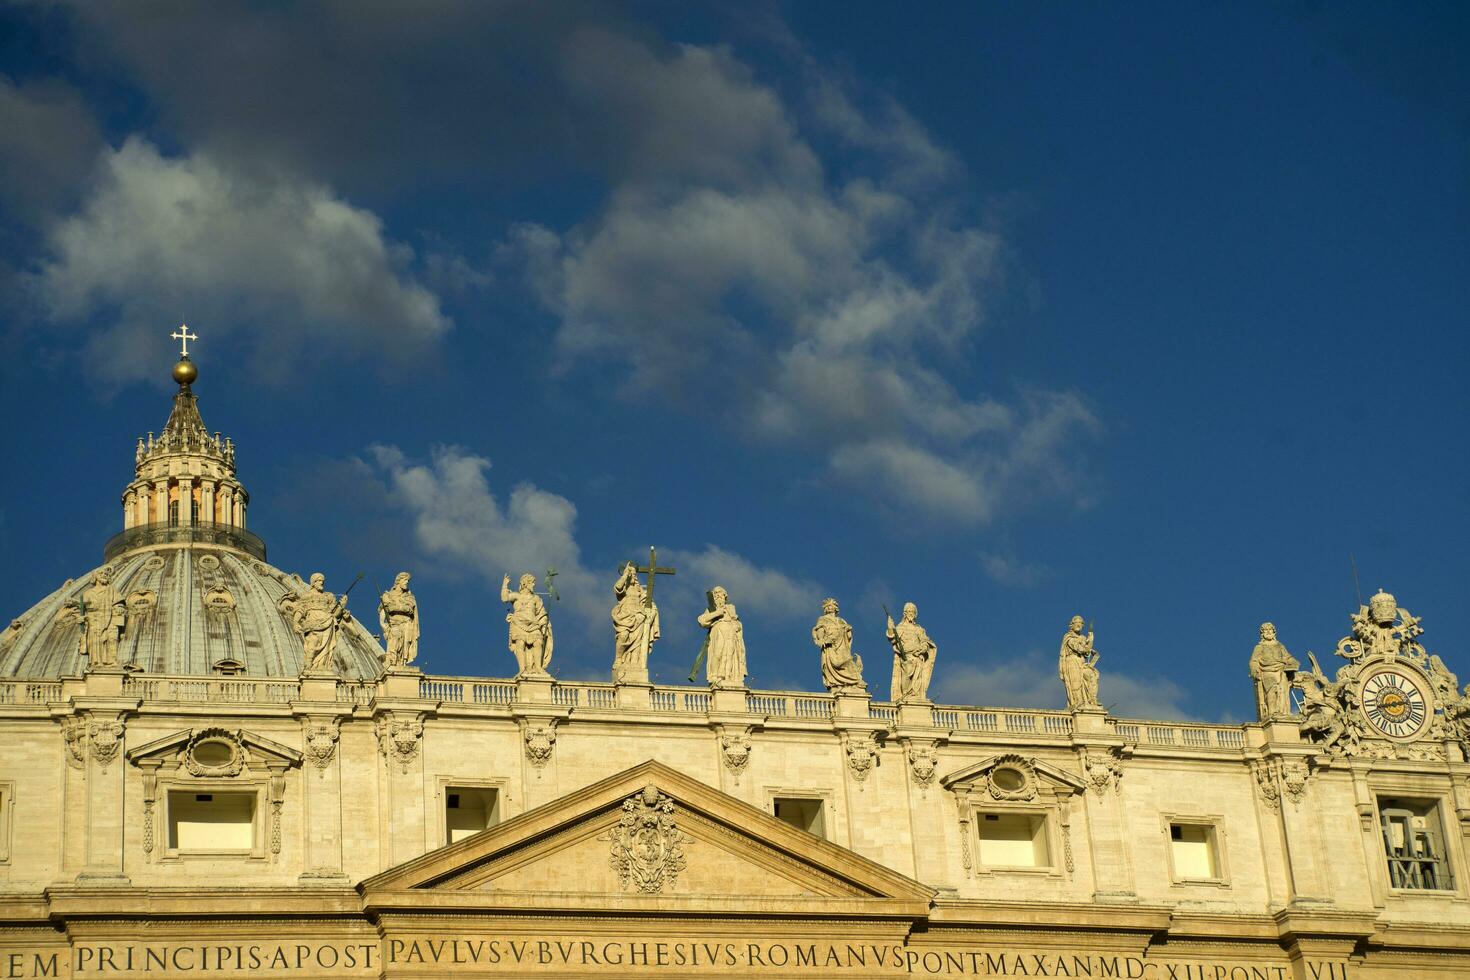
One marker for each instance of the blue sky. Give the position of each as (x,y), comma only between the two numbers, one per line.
(1151,312)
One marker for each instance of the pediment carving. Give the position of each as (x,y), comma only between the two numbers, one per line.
(649,834)
(1012,778)
(213,751)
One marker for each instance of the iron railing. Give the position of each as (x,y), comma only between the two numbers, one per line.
(145,535)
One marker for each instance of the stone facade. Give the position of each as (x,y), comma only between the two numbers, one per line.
(209,821)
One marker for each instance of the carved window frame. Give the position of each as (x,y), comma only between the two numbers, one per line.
(1218,847)
(442,784)
(7,818)
(259,786)
(826,797)
(1054,845)
(1441,797)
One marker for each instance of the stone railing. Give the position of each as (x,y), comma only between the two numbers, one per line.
(1225,737)
(213,690)
(796,706)
(30,692)
(1011,721)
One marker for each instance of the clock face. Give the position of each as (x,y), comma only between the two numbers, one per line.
(1395,704)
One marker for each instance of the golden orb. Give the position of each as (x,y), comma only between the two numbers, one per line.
(185,372)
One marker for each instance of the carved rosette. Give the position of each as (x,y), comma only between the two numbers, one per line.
(862,754)
(540,740)
(647,846)
(735,751)
(320,742)
(1103,769)
(399,740)
(923,763)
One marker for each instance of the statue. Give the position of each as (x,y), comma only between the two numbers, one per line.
(635,626)
(913,657)
(1077,665)
(9,635)
(725,644)
(842,670)
(316,616)
(1325,708)
(530,627)
(398,615)
(1273,668)
(104,613)
(1376,634)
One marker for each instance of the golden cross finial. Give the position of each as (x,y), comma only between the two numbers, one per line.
(183,336)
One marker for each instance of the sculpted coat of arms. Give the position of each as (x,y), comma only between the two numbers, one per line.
(1392,700)
(647,848)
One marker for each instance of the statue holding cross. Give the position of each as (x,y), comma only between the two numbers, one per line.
(635,620)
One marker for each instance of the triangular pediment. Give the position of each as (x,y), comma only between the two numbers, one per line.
(1022,775)
(649,834)
(216,749)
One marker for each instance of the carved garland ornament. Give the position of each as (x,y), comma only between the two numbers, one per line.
(320,742)
(923,763)
(862,755)
(540,739)
(399,739)
(74,731)
(1103,769)
(106,738)
(735,751)
(647,847)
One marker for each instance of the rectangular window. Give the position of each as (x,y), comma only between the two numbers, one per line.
(1013,840)
(802,813)
(205,822)
(469,810)
(1413,843)
(1194,852)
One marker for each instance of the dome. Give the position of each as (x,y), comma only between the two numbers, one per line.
(199,598)
(190,610)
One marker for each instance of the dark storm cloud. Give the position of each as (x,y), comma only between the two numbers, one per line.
(49,142)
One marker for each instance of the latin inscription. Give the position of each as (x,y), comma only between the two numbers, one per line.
(518,956)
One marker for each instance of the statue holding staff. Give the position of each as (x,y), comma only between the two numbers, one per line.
(913,656)
(316,617)
(530,637)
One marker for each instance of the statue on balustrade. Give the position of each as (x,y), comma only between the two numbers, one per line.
(913,656)
(530,627)
(398,615)
(317,615)
(842,670)
(104,614)
(1077,666)
(1273,669)
(725,642)
(635,628)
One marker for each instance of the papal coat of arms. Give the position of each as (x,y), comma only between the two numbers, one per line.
(647,849)
(1392,700)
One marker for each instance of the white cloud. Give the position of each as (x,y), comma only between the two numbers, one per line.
(162,239)
(738,265)
(1014,572)
(756,591)
(457,518)
(1031,681)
